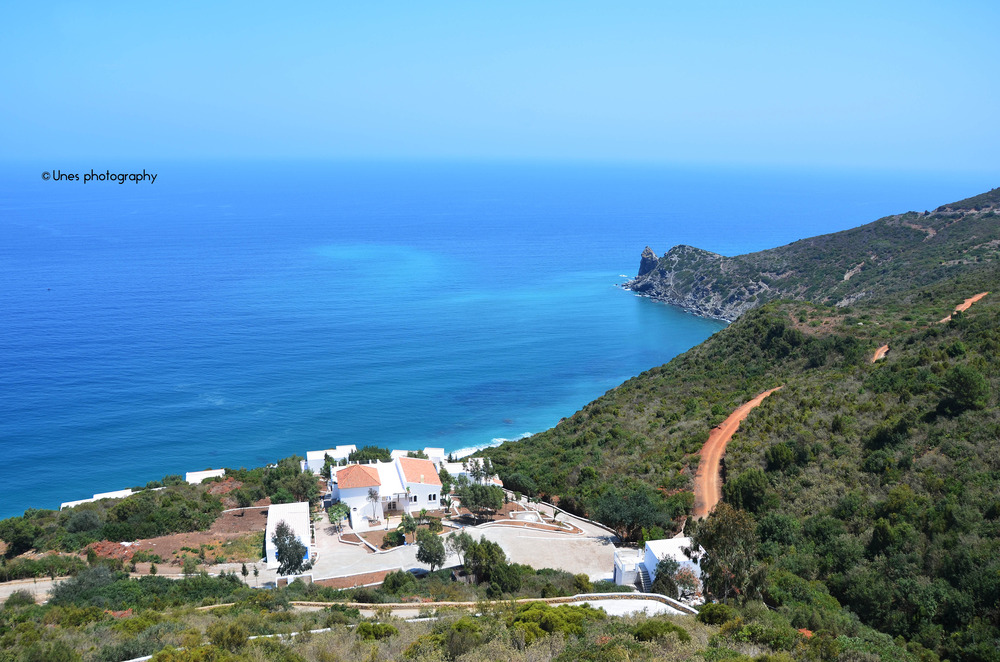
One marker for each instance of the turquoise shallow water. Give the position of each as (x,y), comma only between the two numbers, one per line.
(232,314)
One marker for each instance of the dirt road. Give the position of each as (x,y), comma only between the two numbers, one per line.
(962,307)
(880,353)
(708,482)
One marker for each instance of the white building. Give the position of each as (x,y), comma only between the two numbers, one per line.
(457,469)
(436,455)
(316,459)
(406,484)
(195,477)
(118,494)
(639,566)
(296,515)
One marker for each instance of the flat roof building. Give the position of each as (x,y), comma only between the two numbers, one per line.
(296,515)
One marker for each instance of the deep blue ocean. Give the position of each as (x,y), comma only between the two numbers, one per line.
(234,313)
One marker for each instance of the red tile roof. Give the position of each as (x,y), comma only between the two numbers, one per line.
(420,471)
(357,475)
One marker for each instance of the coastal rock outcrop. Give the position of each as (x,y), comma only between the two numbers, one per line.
(839,269)
(647,262)
(699,281)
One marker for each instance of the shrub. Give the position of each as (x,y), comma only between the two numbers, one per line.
(399,581)
(716,613)
(373,631)
(20,598)
(650,630)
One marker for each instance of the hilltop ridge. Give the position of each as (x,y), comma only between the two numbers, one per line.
(888,255)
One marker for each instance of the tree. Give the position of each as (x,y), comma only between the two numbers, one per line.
(19,534)
(748,491)
(373,499)
(628,512)
(481,558)
(244,572)
(290,552)
(243,500)
(430,549)
(369,453)
(446,480)
(256,574)
(458,544)
(729,567)
(967,389)
(190,565)
(664,582)
(408,524)
(481,500)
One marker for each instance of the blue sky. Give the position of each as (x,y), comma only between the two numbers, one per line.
(857,84)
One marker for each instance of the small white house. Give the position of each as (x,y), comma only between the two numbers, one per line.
(296,515)
(657,550)
(639,566)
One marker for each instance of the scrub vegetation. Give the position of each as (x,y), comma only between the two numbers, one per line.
(860,493)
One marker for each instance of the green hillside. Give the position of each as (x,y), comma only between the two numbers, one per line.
(873,490)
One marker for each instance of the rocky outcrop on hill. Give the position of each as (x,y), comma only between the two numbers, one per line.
(894,253)
(701,282)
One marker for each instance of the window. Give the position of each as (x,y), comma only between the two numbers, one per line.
(432,497)
(413,499)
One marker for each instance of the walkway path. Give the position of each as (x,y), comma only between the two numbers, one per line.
(708,481)
(962,307)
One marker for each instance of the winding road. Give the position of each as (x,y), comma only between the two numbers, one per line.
(708,481)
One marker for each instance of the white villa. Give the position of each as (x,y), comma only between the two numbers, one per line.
(638,567)
(406,484)
(296,515)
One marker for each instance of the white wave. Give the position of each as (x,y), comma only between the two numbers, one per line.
(496,441)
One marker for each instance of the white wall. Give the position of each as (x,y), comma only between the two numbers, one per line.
(422,492)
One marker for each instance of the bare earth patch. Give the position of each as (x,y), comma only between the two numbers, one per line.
(355,580)
(965,305)
(228,526)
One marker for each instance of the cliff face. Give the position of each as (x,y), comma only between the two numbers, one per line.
(894,253)
(704,283)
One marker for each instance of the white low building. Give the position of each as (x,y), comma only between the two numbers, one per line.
(195,477)
(117,494)
(316,459)
(296,515)
(462,469)
(638,567)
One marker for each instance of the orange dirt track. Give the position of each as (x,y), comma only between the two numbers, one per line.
(880,353)
(962,307)
(708,482)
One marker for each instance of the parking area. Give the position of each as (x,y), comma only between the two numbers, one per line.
(590,553)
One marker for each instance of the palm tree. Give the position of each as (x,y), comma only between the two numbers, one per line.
(408,524)
(373,497)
